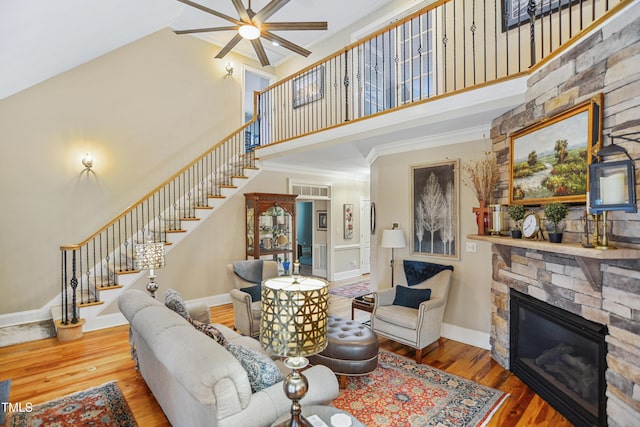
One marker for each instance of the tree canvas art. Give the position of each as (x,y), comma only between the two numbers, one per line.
(435,209)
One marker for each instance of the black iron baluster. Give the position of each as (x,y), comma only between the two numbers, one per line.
(74,286)
(531,11)
(473,39)
(346,85)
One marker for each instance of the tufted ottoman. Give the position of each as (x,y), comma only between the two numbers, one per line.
(352,349)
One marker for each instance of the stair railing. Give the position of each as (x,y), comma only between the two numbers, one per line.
(92,265)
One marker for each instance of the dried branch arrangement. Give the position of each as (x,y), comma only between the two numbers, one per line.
(482,176)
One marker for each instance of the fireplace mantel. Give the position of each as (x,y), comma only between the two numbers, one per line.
(588,258)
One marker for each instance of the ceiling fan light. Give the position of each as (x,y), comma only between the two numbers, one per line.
(249,32)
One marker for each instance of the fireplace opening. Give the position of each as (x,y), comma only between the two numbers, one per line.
(560,356)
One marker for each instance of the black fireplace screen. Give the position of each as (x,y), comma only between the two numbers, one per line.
(561,356)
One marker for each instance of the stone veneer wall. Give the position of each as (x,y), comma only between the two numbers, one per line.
(608,62)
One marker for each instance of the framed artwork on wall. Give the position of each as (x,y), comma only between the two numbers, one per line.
(308,87)
(550,160)
(322,220)
(434,209)
(348,220)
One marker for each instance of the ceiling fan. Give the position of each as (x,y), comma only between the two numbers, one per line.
(252,26)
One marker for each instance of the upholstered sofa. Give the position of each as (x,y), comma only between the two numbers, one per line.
(196,381)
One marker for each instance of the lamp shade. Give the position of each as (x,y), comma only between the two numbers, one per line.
(294,315)
(393,239)
(150,256)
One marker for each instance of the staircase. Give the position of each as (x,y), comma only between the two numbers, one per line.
(98,270)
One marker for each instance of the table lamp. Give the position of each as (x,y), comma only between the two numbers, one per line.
(294,325)
(150,256)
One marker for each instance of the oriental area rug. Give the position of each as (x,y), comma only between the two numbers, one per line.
(353,290)
(102,406)
(402,393)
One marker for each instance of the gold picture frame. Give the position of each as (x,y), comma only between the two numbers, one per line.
(549,161)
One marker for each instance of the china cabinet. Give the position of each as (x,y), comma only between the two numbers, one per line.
(271,226)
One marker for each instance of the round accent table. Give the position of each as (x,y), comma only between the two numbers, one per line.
(324,412)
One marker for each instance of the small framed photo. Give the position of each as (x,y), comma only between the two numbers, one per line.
(322,220)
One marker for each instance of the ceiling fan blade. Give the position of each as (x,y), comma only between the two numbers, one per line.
(268,10)
(211,11)
(286,43)
(293,26)
(262,55)
(206,30)
(242,12)
(227,48)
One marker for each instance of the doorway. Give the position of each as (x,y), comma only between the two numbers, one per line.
(254,80)
(304,236)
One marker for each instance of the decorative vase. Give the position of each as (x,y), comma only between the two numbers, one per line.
(555,237)
(286,265)
(516,234)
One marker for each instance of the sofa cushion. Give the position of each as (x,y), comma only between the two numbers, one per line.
(418,271)
(408,297)
(255,292)
(261,370)
(174,301)
(210,331)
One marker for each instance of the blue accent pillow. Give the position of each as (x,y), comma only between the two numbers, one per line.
(408,297)
(261,370)
(174,301)
(254,291)
(419,271)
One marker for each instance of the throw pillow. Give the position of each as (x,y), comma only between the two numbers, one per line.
(174,301)
(419,271)
(261,370)
(411,298)
(254,291)
(210,331)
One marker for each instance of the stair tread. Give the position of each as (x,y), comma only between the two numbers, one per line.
(108,287)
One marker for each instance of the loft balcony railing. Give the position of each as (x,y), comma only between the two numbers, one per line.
(444,48)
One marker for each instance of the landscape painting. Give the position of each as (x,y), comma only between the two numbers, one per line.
(550,161)
(435,209)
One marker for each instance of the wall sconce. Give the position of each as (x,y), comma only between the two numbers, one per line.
(612,185)
(229,69)
(87,162)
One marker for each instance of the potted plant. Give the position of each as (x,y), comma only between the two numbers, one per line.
(555,212)
(516,212)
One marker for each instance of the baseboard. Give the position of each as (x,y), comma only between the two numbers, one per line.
(21,335)
(466,336)
(346,274)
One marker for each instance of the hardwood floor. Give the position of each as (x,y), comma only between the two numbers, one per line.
(45,369)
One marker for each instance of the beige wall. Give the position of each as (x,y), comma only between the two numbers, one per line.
(143,111)
(391,191)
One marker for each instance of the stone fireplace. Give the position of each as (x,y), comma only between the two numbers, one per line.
(599,286)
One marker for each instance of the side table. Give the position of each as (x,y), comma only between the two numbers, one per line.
(324,412)
(361,304)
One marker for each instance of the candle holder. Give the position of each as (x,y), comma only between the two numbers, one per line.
(604,242)
(596,229)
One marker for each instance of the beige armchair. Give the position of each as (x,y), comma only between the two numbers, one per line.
(416,328)
(246,312)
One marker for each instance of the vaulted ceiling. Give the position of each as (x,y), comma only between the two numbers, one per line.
(42,38)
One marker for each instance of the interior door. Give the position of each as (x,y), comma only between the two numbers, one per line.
(365,236)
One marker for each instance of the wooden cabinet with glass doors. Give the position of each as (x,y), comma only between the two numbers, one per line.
(271,226)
